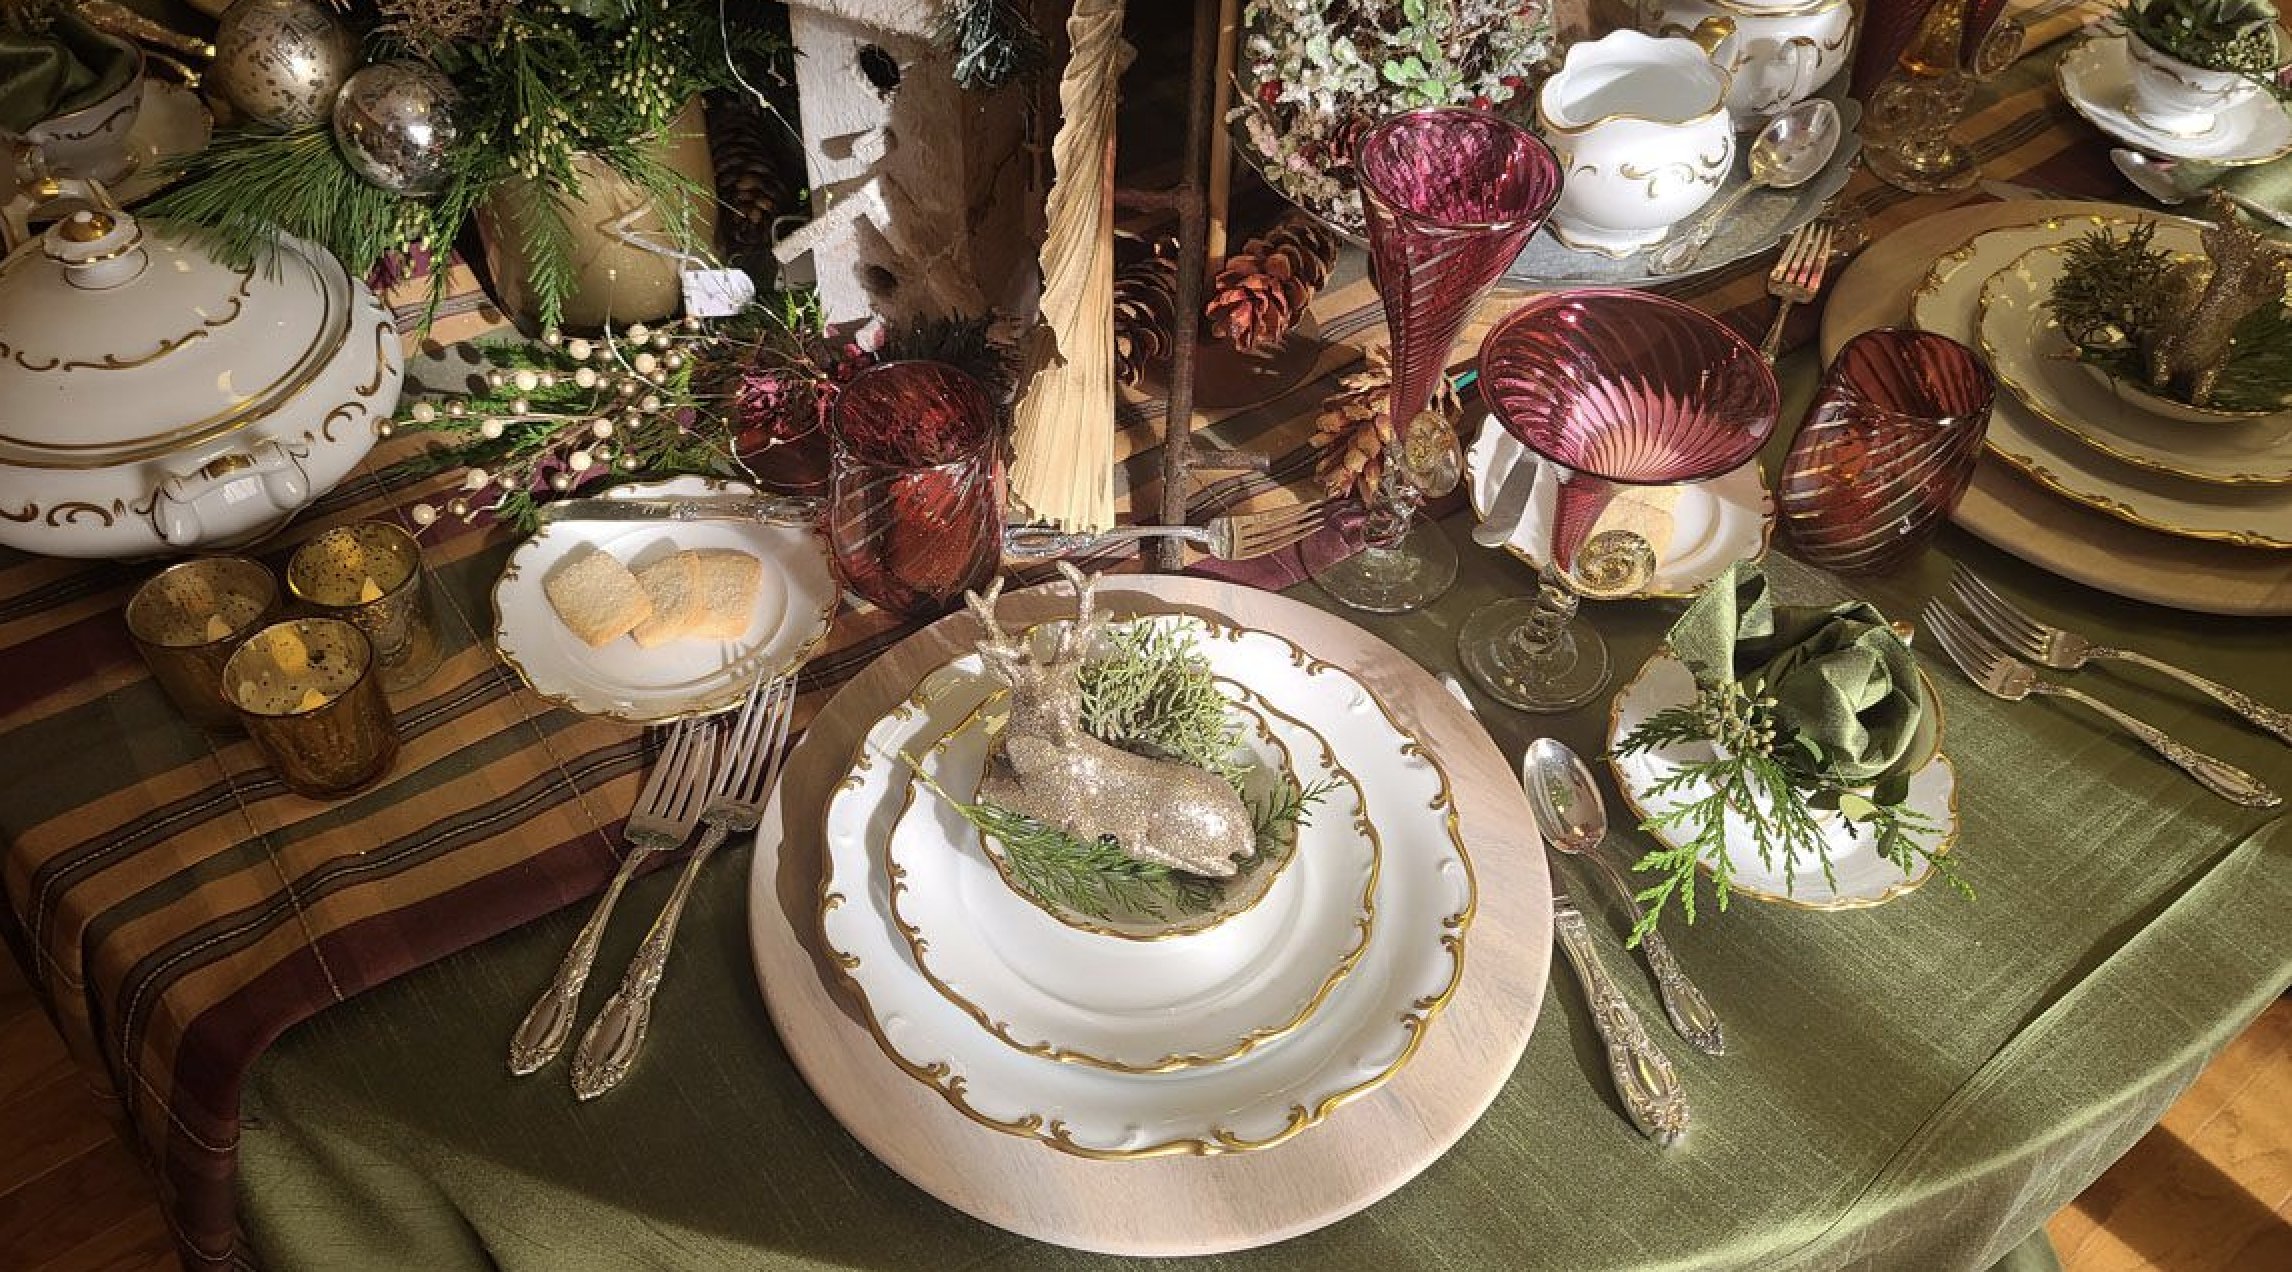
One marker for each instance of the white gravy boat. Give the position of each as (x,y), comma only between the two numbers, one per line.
(1641,128)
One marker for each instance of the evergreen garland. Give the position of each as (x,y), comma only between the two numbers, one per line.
(993,42)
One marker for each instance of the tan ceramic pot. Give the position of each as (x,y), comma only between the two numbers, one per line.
(615,280)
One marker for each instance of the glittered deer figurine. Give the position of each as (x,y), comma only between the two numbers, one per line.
(1046,766)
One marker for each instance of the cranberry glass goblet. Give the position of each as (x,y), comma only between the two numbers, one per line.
(1450,197)
(1615,388)
(915,499)
(1887,449)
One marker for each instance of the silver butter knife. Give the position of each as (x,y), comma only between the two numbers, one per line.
(786,510)
(1644,1079)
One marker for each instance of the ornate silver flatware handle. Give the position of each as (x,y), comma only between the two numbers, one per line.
(1040,542)
(2260,713)
(2220,777)
(609,1050)
(1690,1014)
(549,1022)
(1644,1078)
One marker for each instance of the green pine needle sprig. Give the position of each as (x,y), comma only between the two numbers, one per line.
(1776,803)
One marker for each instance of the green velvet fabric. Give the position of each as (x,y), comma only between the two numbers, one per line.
(67,69)
(1848,708)
(1915,1087)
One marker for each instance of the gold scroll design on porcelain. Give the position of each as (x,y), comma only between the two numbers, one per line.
(1703,170)
(941,1077)
(167,345)
(1364,921)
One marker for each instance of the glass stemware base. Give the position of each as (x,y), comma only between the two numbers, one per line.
(1559,675)
(1411,574)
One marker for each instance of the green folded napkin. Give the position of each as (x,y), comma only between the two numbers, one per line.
(68,68)
(1849,710)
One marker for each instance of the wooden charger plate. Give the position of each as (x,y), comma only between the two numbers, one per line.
(2018,516)
(1364,1151)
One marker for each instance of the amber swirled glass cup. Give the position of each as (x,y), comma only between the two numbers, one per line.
(1450,196)
(1887,449)
(1615,388)
(915,492)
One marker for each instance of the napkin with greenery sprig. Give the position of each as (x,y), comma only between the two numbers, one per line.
(1811,709)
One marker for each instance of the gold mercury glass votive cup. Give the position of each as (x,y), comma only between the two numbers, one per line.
(370,575)
(308,692)
(187,619)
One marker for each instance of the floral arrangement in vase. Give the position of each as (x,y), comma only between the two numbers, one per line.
(508,111)
(1314,76)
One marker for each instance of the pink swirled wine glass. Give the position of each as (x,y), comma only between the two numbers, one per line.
(1450,197)
(1615,388)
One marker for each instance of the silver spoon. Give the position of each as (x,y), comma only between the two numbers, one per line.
(2155,177)
(1787,153)
(1572,816)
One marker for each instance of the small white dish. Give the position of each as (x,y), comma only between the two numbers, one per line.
(1133,1006)
(171,124)
(2096,77)
(1713,524)
(683,678)
(1861,877)
(2034,359)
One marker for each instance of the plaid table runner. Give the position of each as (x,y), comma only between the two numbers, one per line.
(178,908)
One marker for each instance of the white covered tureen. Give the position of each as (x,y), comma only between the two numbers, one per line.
(154,400)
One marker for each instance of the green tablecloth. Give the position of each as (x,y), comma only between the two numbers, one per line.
(1918,1086)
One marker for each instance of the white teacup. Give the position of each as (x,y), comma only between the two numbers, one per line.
(1641,128)
(2176,98)
(92,142)
(1781,55)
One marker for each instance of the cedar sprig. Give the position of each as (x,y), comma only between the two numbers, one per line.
(1778,806)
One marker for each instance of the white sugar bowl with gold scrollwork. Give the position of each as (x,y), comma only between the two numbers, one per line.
(1641,128)
(154,400)
(1783,52)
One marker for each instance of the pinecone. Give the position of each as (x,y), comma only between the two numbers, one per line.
(752,186)
(1263,289)
(1145,310)
(1355,426)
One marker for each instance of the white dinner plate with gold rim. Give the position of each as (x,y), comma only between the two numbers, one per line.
(622,681)
(2035,361)
(1712,524)
(1860,877)
(1369,1027)
(1131,1006)
(1948,303)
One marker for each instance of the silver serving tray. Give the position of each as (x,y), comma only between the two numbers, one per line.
(1756,224)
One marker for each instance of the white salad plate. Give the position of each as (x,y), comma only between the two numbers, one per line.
(623,681)
(1713,524)
(2096,76)
(1054,990)
(1948,303)
(1860,877)
(2034,360)
(1370,1025)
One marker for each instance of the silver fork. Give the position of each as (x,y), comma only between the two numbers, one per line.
(753,750)
(2067,651)
(1235,536)
(667,810)
(1797,276)
(2004,676)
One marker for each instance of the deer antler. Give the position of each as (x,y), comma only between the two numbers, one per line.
(1074,643)
(997,647)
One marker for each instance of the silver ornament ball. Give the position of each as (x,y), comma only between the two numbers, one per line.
(394,122)
(279,63)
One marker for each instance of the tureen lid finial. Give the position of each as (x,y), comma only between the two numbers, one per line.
(85,226)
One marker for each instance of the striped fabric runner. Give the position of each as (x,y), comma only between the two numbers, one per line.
(179,909)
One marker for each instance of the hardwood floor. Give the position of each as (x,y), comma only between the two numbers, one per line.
(2209,1190)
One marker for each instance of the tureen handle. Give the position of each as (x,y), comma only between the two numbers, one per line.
(267,471)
